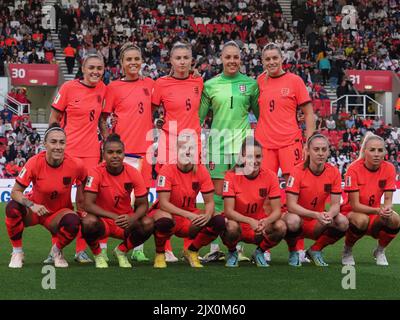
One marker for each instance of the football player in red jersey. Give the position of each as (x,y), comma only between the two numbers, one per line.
(366,181)
(309,187)
(281,95)
(246,188)
(108,204)
(178,95)
(129,101)
(78,107)
(52,174)
(175,212)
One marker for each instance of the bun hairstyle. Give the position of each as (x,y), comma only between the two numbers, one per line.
(369,136)
(310,139)
(249,141)
(53,127)
(113,138)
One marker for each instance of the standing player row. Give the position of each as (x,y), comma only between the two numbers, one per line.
(105,207)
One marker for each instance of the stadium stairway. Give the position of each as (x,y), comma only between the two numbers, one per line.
(331,92)
(286,9)
(40,128)
(60,52)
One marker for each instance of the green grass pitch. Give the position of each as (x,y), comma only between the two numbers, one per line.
(179,281)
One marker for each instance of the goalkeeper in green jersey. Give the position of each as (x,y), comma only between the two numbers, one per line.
(229,95)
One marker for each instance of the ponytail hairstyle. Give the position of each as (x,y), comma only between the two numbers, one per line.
(315,135)
(53,127)
(113,138)
(180,45)
(272,46)
(230,43)
(249,141)
(92,55)
(369,136)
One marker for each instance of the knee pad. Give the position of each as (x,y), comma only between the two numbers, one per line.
(15,210)
(70,222)
(164,225)
(218,223)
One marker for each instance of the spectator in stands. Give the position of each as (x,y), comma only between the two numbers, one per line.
(325,67)
(2,128)
(69,53)
(330,123)
(5,114)
(376,123)
(397,107)
(350,123)
(3,162)
(34,137)
(33,57)
(11,169)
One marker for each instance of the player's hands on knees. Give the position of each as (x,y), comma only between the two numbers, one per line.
(255,225)
(267,226)
(201,220)
(323,218)
(123,221)
(39,209)
(385,212)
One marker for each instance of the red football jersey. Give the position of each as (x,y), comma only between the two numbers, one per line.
(279,100)
(181,101)
(114,191)
(184,186)
(51,185)
(314,190)
(82,106)
(250,194)
(130,101)
(370,184)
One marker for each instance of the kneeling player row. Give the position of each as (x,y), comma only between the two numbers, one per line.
(251,196)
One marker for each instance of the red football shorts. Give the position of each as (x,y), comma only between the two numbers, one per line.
(285,158)
(309,229)
(247,233)
(182,225)
(112,230)
(47,218)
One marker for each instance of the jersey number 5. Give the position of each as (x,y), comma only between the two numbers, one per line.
(91,115)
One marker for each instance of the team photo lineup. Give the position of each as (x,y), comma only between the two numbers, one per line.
(238,159)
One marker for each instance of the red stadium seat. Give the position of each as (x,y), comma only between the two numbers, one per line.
(202,28)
